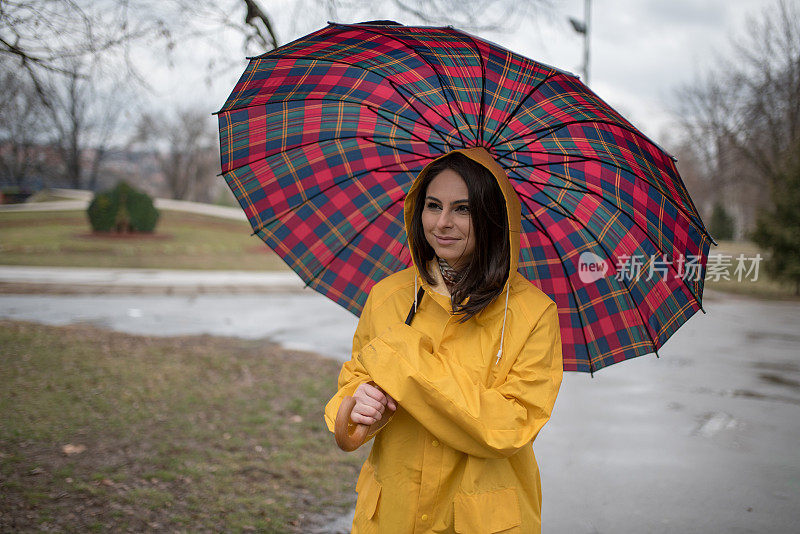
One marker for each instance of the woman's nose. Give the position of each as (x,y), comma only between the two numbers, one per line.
(445,220)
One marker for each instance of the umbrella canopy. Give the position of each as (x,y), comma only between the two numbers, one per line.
(322,138)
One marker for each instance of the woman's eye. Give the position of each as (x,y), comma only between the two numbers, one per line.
(463,208)
(432,206)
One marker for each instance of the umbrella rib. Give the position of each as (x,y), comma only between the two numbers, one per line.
(645,325)
(482,110)
(608,255)
(438,76)
(458,131)
(566,275)
(375,110)
(617,209)
(322,191)
(585,190)
(550,129)
(331,140)
(699,227)
(690,216)
(412,134)
(510,116)
(544,166)
(381,75)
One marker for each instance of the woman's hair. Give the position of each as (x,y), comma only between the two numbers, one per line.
(482,279)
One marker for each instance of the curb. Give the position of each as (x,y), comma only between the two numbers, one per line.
(54,280)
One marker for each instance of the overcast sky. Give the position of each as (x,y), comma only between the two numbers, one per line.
(641,51)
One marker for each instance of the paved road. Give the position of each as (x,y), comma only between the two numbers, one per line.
(704,439)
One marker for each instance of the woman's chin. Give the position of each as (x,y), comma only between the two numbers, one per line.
(447,255)
(456,261)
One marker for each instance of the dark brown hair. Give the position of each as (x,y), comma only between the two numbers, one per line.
(483,278)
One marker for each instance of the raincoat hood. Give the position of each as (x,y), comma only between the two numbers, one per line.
(513,208)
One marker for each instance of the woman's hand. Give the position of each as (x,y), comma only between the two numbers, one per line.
(371,402)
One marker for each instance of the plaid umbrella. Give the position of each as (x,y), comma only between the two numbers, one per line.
(322,138)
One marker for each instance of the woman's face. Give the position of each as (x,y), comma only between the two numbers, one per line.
(446,220)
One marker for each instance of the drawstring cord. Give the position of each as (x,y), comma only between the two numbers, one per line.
(503,331)
(415,294)
(413,311)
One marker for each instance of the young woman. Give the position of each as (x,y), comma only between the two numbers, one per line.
(464,388)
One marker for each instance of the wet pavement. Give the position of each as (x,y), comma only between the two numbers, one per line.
(303,320)
(704,439)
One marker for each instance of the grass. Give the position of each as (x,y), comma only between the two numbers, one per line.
(191,241)
(181,241)
(185,434)
(762,287)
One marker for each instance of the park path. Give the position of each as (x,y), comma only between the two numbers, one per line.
(77,199)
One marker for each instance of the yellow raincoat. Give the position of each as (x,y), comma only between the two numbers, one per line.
(456,455)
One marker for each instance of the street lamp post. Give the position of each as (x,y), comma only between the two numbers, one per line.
(582,27)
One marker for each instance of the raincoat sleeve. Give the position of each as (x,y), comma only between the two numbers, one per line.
(467,416)
(353,373)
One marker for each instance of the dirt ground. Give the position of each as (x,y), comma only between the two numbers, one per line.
(103,431)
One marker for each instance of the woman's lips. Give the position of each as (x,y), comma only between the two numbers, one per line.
(445,240)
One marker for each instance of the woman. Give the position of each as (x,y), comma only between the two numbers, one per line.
(464,389)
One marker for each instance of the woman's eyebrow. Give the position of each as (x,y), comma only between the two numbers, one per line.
(461,201)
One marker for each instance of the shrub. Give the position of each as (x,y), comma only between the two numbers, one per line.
(778,230)
(122,209)
(722,224)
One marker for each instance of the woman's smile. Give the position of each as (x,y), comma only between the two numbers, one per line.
(445,240)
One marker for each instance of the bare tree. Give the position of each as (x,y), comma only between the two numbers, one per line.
(47,36)
(186,150)
(751,105)
(62,44)
(257,25)
(743,117)
(22,127)
(67,48)
(84,107)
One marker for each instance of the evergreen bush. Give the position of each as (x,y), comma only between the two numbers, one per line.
(122,209)
(778,230)
(722,224)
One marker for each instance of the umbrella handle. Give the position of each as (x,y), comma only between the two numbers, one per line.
(349,435)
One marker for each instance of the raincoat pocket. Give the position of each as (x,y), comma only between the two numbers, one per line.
(369,494)
(487,513)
